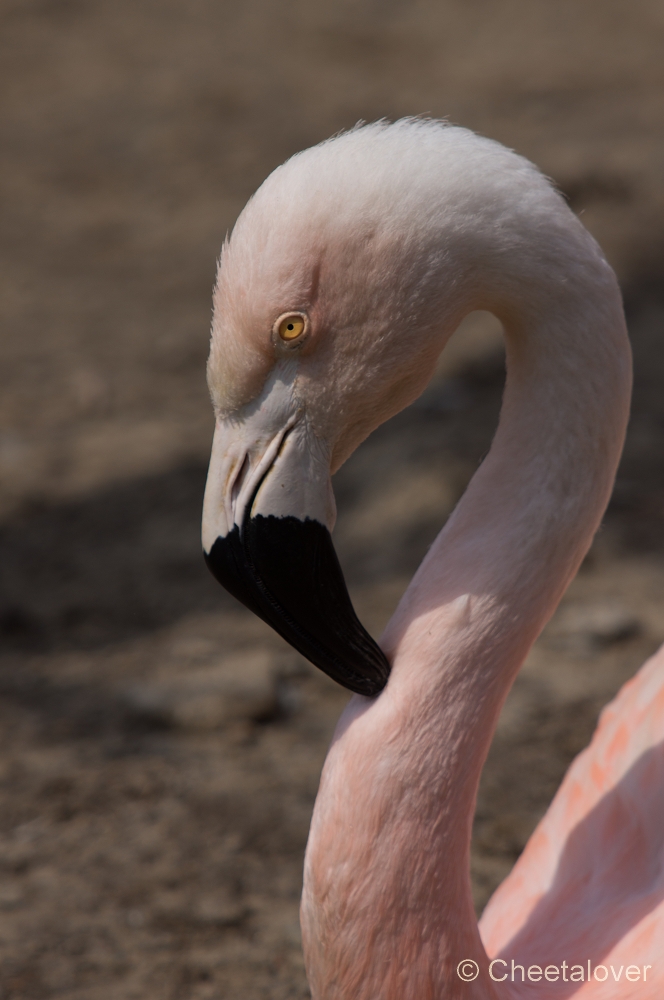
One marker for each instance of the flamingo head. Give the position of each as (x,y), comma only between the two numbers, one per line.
(342,279)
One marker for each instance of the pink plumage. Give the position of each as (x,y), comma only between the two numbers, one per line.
(589,885)
(380,241)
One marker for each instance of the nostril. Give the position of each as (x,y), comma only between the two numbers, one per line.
(239,480)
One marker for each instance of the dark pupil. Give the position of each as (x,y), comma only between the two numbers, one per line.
(290,326)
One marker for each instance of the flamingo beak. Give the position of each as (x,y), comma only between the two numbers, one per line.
(267,516)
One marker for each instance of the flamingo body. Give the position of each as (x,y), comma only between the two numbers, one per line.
(589,886)
(342,281)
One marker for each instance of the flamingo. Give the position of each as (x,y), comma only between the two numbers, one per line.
(345,275)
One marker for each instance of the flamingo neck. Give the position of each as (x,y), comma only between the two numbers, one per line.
(387,909)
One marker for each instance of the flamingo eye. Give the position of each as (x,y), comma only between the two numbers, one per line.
(291,327)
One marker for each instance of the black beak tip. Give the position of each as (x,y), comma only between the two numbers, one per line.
(286,571)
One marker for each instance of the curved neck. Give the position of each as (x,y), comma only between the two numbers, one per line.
(387,909)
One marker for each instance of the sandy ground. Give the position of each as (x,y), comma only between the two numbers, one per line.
(160,748)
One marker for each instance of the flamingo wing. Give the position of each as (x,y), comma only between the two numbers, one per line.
(589,886)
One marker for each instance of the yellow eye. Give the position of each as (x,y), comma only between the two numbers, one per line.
(291,326)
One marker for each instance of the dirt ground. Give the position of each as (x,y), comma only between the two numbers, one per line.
(160,748)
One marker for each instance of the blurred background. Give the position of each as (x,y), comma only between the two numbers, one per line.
(159,747)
